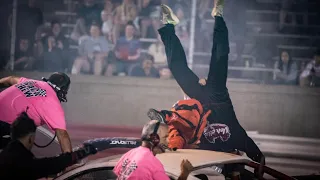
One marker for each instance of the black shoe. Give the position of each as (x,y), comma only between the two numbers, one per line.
(156,115)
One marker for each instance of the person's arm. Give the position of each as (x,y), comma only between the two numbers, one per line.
(55,119)
(176,141)
(9,81)
(82,48)
(186,168)
(21,60)
(64,140)
(183,176)
(307,70)
(137,55)
(116,49)
(151,49)
(292,76)
(44,167)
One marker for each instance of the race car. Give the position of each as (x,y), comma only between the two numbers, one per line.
(207,164)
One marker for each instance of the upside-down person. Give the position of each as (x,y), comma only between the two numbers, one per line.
(223,131)
(41,100)
(141,164)
(186,121)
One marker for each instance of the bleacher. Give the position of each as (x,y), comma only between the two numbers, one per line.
(262,22)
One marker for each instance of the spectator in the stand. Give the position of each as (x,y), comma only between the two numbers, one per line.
(24,59)
(288,69)
(165,73)
(146,17)
(125,13)
(158,52)
(29,20)
(54,49)
(295,6)
(146,68)
(311,74)
(107,21)
(53,59)
(93,53)
(182,28)
(89,13)
(127,52)
(62,41)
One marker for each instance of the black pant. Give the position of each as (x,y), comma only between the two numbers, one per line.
(4,131)
(214,95)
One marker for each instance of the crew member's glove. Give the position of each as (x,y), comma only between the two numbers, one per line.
(85,151)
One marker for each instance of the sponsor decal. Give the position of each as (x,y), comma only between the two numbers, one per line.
(217,131)
(124,142)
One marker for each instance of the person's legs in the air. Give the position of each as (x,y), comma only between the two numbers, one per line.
(176,57)
(217,78)
(218,71)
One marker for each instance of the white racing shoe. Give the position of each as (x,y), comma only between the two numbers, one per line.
(168,17)
(218,8)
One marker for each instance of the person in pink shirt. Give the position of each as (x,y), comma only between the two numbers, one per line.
(41,100)
(141,164)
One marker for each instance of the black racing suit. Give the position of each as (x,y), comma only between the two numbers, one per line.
(223,132)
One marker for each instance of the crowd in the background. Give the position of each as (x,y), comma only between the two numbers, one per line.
(109,34)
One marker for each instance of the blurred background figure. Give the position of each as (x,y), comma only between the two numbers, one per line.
(158,52)
(24,59)
(107,21)
(311,74)
(93,53)
(127,52)
(89,13)
(182,29)
(146,68)
(124,13)
(53,59)
(288,70)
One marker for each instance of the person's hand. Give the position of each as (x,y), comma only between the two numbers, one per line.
(186,166)
(90,149)
(203,81)
(84,151)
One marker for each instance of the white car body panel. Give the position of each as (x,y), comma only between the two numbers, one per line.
(202,161)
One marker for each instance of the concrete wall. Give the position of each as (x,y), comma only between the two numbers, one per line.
(281,110)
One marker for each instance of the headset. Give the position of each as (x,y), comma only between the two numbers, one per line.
(62,87)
